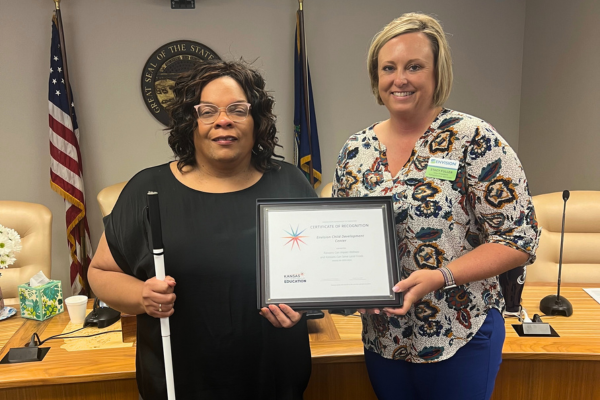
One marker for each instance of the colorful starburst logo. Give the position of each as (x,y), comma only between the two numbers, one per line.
(295,237)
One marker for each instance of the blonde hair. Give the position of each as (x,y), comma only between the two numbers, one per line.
(408,23)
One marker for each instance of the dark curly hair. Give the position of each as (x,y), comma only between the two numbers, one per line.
(189,86)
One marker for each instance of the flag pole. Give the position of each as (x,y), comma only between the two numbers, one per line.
(63,53)
(300,15)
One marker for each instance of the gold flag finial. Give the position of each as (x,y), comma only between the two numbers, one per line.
(57,4)
(299,2)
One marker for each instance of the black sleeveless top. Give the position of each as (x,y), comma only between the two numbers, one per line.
(222,348)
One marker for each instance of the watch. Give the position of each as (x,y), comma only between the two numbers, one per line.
(448,278)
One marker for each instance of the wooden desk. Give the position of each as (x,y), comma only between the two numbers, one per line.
(89,374)
(565,367)
(532,368)
(561,368)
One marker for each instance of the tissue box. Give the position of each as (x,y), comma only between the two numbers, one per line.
(41,302)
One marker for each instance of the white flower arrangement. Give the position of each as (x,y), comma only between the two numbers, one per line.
(10,244)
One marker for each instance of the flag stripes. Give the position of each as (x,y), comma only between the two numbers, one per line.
(66,172)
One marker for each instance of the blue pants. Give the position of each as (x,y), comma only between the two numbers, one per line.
(468,375)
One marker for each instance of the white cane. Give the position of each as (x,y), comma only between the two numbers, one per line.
(159,265)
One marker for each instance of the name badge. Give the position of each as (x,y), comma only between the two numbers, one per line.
(442,169)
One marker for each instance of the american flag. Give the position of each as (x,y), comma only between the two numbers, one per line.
(66,173)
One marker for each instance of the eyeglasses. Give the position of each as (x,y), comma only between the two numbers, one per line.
(208,113)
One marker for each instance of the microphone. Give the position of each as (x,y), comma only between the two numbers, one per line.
(557,304)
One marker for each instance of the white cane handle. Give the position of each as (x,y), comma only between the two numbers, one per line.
(159,264)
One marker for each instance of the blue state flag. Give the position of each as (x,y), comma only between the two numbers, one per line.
(306,144)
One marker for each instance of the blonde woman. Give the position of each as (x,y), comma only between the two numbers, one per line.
(463,216)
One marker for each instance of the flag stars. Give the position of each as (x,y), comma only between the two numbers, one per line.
(62,80)
(51,70)
(59,69)
(55,58)
(58,92)
(54,81)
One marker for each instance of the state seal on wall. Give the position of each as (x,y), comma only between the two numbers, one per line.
(163,67)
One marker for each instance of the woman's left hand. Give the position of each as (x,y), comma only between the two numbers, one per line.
(415,287)
(281,317)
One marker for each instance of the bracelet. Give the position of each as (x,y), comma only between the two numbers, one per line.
(449,282)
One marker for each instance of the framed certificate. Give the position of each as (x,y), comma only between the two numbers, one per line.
(327,253)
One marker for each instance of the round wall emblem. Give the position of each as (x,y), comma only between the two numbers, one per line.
(162,68)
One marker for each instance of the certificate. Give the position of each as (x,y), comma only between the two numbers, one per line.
(327,253)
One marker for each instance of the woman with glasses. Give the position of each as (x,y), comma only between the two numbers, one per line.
(223,136)
(463,216)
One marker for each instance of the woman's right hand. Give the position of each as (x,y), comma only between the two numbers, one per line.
(158,298)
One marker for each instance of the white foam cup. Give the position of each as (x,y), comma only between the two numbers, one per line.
(76,305)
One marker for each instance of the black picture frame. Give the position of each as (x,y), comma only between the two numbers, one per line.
(347,205)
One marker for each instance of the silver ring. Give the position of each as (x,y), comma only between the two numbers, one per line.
(160,307)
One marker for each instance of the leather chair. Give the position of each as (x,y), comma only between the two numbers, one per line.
(326,190)
(33,222)
(108,197)
(581,249)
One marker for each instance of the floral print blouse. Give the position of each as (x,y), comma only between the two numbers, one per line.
(437,221)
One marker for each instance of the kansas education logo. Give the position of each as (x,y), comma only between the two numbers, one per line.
(163,67)
(294,278)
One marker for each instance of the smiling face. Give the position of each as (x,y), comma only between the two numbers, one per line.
(406,71)
(224,143)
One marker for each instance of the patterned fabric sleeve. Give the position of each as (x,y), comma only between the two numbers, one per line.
(336,187)
(498,194)
(339,188)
